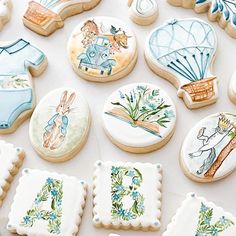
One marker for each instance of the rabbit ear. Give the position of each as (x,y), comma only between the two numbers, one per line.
(64,97)
(71,99)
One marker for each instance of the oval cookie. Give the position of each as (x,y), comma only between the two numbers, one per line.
(139,117)
(209,150)
(232,88)
(60,124)
(102,49)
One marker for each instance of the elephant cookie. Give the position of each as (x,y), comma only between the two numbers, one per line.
(19,60)
(102,49)
(11,159)
(198,217)
(46,16)
(139,117)
(122,196)
(47,204)
(182,51)
(232,88)
(143,12)
(209,150)
(223,11)
(5,12)
(60,125)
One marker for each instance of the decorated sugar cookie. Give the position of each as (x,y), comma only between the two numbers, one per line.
(19,60)
(232,88)
(53,206)
(209,150)
(11,159)
(143,12)
(199,217)
(139,117)
(102,49)
(182,51)
(60,125)
(5,12)
(223,11)
(122,196)
(46,16)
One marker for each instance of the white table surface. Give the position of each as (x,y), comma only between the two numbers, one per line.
(59,73)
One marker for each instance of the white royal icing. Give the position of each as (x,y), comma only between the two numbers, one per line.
(232,85)
(142,179)
(66,194)
(5,12)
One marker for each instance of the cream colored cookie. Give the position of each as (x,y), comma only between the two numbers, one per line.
(60,125)
(102,49)
(182,51)
(139,117)
(5,12)
(222,11)
(46,16)
(232,88)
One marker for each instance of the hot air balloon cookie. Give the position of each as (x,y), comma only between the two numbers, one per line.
(5,12)
(209,150)
(182,51)
(232,88)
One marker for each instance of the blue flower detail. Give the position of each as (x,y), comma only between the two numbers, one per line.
(54,192)
(134,195)
(121,212)
(116,197)
(26,219)
(136,181)
(114,170)
(131,173)
(52,216)
(120,188)
(49,181)
(169,114)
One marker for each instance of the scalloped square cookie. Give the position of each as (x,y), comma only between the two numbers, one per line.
(198,217)
(47,204)
(122,196)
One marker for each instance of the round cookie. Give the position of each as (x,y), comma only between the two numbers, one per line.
(102,49)
(209,150)
(139,118)
(60,125)
(232,88)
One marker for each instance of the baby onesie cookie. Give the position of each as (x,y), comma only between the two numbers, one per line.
(53,206)
(143,12)
(46,16)
(122,196)
(223,11)
(198,217)
(19,60)
(209,150)
(5,12)
(102,49)
(60,125)
(139,117)
(182,51)
(11,159)
(232,88)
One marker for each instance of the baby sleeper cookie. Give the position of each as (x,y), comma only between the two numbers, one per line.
(143,12)
(11,159)
(102,49)
(60,125)
(209,150)
(5,12)
(139,117)
(223,11)
(53,206)
(46,16)
(19,60)
(122,196)
(198,217)
(232,88)
(182,51)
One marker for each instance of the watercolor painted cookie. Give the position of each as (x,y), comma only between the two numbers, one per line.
(19,60)
(60,125)
(46,16)
(209,150)
(232,88)
(182,51)
(139,117)
(5,12)
(143,12)
(54,206)
(198,217)
(11,159)
(102,49)
(122,196)
(223,11)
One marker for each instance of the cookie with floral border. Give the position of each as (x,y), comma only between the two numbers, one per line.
(102,49)
(223,11)
(46,16)
(232,88)
(209,150)
(182,52)
(143,12)
(199,217)
(139,117)
(122,196)
(11,159)
(54,206)
(60,125)
(5,12)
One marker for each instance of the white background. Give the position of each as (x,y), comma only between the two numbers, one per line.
(59,73)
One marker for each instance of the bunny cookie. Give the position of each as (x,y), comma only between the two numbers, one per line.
(5,12)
